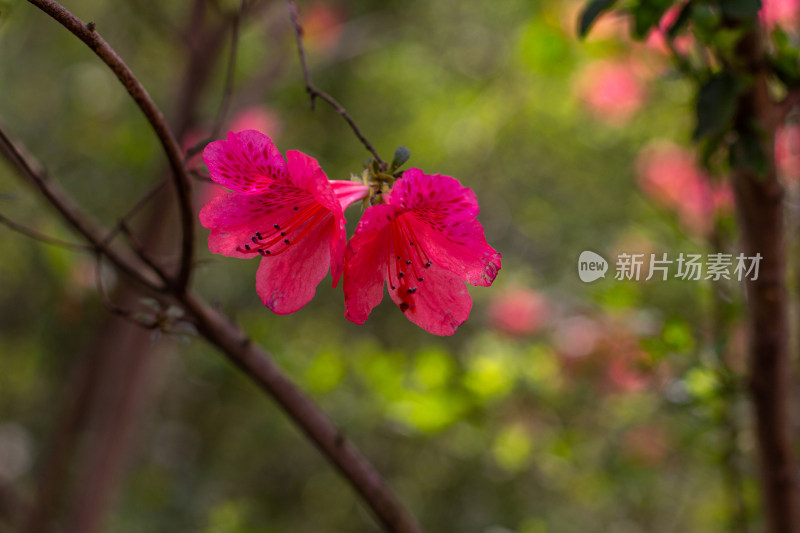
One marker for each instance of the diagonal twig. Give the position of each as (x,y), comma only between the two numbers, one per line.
(315,93)
(138,206)
(69,211)
(35,235)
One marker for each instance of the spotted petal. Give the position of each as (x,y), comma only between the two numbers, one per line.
(444,221)
(288,281)
(246,162)
(438,305)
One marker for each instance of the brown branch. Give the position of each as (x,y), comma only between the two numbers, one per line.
(256,363)
(12,505)
(138,206)
(759,202)
(35,235)
(87,34)
(789,102)
(101,290)
(315,93)
(141,252)
(260,367)
(29,169)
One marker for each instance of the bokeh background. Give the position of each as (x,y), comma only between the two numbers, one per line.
(559,406)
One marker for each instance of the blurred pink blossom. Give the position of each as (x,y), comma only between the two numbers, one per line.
(322,26)
(518,311)
(657,40)
(576,337)
(259,118)
(787,153)
(624,374)
(783,13)
(612,90)
(669,175)
(628,368)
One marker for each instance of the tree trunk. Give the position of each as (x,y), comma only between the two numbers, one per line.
(759,203)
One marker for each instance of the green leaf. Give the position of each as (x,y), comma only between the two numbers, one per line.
(646,15)
(706,21)
(740,9)
(786,59)
(401,155)
(716,104)
(591,11)
(726,40)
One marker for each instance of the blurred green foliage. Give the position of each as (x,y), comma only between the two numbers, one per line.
(483,432)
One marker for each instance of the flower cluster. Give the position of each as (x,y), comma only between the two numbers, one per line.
(422,239)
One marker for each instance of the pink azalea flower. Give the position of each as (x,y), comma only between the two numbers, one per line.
(424,242)
(285,211)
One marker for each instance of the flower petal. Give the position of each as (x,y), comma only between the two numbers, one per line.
(443,219)
(234,218)
(365,266)
(288,281)
(246,162)
(232,209)
(348,192)
(439,304)
(305,173)
(466,253)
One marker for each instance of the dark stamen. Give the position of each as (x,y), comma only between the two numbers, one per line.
(246,246)
(286,241)
(255,240)
(276,226)
(427,264)
(408,262)
(283,234)
(420,279)
(295,208)
(400,274)
(412,290)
